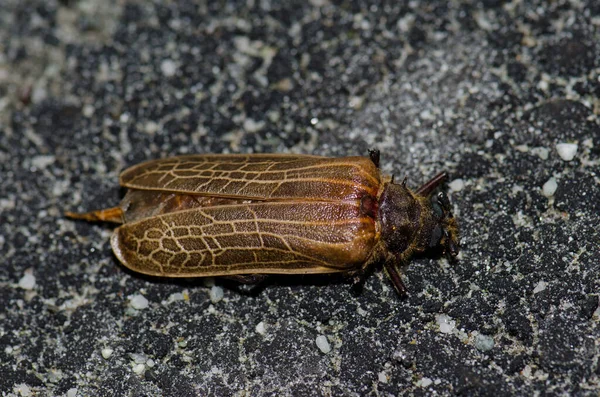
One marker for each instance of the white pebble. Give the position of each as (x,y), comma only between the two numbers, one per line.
(484,342)
(138,358)
(39,94)
(362,312)
(88,111)
(541,152)
(251,125)
(72,392)
(323,344)
(382,377)
(540,287)
(150,363)
(566,151)
(54,376)
(426,115)
(139,368)
(457,185)
(445,323)
(138,301)
(27,281)
(261,328)
(42,161)
(425,382)
(216,294)
(243,44)
(151,127)
(106,352)
(168,67)
(356,102)
(22,389)
(175,297)
(550,187)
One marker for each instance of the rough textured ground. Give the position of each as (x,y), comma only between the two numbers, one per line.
(483,89)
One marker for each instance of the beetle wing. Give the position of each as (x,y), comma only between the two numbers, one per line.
(266,177)
(258,238)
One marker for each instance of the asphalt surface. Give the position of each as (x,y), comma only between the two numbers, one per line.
(485,90)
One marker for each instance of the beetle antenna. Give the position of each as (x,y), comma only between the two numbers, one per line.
(432,184)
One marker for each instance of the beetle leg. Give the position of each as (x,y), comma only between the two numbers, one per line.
(359,277)
(432,184)
(375,154)
(247,278)
(248,284)
(368,206)
(394,275)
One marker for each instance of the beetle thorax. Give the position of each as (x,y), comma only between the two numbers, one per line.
(400,217)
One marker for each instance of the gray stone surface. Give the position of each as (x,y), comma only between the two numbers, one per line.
(482,89)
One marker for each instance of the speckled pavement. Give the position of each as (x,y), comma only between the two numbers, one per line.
(502,95)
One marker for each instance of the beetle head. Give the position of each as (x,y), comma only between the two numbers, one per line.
(412,223)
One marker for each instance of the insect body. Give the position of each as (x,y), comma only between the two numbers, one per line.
(236,215)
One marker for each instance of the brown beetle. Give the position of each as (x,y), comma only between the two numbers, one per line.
(240,215)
